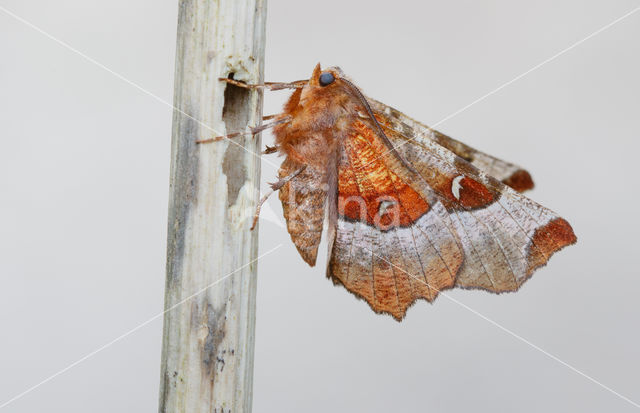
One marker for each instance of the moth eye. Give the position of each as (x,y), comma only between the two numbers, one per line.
(326,79)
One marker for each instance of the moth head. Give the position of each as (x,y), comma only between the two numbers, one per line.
(327,100)
(325,77)
(326,87)
(324,93)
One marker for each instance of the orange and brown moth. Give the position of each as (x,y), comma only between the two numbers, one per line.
(410,211)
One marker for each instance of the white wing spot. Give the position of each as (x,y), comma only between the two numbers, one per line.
(456,186)
(384,205)
(362,115)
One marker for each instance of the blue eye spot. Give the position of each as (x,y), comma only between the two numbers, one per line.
(326,79)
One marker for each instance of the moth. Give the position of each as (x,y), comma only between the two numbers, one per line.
(410,211)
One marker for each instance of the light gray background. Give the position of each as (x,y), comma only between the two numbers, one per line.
(84,160)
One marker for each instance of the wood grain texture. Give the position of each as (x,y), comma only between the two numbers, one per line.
(208,340)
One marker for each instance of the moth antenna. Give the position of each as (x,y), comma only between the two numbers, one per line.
(252,130)
(274,188)
(298,84)
(376,124)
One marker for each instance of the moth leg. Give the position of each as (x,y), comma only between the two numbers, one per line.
(270,149)
(252,130)
(274,188)
(298,84)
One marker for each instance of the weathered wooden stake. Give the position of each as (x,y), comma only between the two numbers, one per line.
(208,340)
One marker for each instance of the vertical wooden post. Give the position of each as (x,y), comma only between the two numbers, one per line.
(208,340)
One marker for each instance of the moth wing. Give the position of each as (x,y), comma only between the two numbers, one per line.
(454,224)
(510,174)
(303,204)
(389,267)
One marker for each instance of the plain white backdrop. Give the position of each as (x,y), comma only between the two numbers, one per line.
(84,171)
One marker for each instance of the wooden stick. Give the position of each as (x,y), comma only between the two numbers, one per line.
(208,341)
